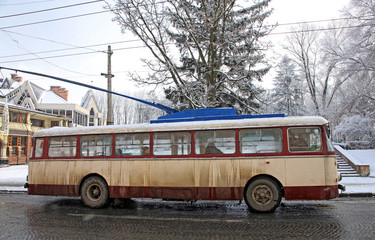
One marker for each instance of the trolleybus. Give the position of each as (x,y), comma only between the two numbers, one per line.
(259,159)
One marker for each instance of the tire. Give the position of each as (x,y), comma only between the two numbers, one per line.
(262,195)
(94,192)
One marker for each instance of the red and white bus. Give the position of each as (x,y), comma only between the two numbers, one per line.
(260,160)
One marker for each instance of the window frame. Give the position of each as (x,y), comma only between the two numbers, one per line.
(276,150)
(305,149)
(72,148)
(173,148)
(215,150)
(143,152)
(108,152)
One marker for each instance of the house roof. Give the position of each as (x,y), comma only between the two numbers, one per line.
(49,96)
(38,91)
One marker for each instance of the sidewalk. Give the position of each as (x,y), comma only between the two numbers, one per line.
(13,178)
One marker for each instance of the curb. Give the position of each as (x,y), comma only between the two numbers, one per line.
(12,191)
(343,195)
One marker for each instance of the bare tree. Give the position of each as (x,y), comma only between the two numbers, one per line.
(126,111)
(319,67)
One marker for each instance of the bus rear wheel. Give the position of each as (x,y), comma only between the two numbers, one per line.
(262,195)
(94,192)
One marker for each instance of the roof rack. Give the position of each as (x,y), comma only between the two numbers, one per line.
(208,114)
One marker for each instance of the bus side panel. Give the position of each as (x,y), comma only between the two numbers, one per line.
(217,179)
(184,179)
(129,178)
(46,178)
(311,178)
(251,167)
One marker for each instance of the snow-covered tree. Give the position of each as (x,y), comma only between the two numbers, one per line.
(356,130)
(206,53)
(287,96)
(320,69)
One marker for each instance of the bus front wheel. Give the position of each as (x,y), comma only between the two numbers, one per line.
(262,195)
(94,192)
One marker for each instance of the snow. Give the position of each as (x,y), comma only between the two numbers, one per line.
(358,184)
(13,175)
(51,97)
(366,157)
(175,126)
(360,157)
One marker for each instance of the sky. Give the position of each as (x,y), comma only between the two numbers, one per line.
(82,42)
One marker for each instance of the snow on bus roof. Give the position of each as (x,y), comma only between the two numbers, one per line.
(181,126)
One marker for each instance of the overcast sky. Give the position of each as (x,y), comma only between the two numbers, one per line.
(23,42)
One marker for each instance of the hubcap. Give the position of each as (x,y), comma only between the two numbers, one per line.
(94,192)
(262,194)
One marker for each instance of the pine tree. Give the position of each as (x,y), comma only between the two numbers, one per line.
(219,50)
(287,95)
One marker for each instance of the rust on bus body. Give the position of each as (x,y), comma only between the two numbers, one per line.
(187,179)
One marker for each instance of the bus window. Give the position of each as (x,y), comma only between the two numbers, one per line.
(137,144)
(304,139)
(176,143)
(96,145)
(261,140)
(39,147)
(215,142)
(62,146)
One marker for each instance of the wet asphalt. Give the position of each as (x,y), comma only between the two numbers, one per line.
(45,217)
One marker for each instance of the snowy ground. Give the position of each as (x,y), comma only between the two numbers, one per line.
(14,177)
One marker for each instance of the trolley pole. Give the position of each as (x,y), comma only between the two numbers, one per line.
(109,77)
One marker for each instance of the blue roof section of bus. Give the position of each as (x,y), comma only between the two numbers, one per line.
(207,114)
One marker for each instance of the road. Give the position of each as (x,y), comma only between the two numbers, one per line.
(45,217)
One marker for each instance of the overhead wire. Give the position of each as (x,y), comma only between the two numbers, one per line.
(50,9)
(134,47)
(54,20)
(25,3)
(43,59)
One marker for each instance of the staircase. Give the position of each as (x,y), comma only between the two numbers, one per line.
(345,169)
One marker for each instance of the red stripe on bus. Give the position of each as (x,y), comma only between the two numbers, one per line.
(181,193)
(52,189)
(187,193)
(311,192)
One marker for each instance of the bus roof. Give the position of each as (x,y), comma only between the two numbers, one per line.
(182,126)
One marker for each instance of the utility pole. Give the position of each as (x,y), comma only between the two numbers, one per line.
(109,77)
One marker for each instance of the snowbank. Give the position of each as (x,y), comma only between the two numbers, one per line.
(13,175)
(360,157)
(366,157)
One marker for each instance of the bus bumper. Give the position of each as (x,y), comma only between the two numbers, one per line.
(342,187)
(26,185)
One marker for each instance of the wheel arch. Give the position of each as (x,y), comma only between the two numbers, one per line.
(88,176)
(264,176)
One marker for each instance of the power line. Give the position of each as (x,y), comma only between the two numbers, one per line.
(50,9)
(48,40)
(318,29)
(313,21)
(69,55)
(136,47)
(74,48)
(69,17)
(54,20)
(24,3)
